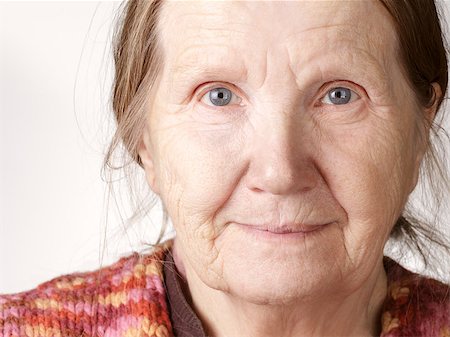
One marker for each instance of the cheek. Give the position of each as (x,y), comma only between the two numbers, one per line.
(197,169)
(368,170)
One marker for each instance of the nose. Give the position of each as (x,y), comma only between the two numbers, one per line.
(281,157)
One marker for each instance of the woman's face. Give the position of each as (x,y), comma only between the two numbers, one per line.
(282,142)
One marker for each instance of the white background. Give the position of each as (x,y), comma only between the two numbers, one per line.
(55,123)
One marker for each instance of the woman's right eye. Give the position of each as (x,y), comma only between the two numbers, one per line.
(219,96)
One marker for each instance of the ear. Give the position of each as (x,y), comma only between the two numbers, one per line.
(430,112)
(146,155)
(429,115)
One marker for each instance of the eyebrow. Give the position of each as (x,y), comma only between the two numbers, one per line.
(193,69)
(218,65)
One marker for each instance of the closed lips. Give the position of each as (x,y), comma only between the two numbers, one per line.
(285,229)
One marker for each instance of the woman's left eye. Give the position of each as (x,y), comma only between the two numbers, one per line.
(219,97)
(339,96)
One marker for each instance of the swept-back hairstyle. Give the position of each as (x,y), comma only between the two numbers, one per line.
(422,51)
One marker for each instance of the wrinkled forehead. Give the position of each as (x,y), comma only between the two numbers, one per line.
(200,29)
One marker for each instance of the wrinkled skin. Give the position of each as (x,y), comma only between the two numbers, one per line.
(280,152)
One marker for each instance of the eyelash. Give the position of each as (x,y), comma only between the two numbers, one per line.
(352,99)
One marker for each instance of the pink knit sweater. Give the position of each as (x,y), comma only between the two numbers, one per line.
(128,299)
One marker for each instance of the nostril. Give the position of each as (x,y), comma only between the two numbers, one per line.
(301,181)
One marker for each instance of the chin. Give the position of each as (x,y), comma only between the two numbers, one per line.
(267,273)
(275,285)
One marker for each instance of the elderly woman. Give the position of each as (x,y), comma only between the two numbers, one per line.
(283,139)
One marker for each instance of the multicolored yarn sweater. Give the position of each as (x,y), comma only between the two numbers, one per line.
(128,299)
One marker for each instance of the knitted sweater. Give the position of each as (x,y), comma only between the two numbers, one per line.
(128,299)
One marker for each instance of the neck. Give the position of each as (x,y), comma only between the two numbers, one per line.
(332,314)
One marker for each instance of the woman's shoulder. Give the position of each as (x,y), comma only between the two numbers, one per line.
(416,305)
(127,295)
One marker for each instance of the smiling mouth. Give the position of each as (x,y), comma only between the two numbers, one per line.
(286,228)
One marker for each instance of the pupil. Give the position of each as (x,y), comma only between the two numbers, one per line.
(220,95)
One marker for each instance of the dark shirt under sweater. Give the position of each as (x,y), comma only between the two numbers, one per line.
(185,322)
